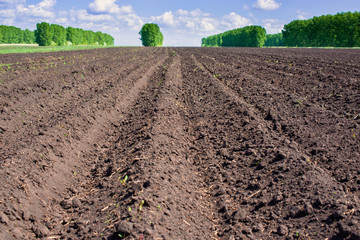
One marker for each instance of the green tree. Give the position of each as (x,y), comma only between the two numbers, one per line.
(151,35)
(10,34)
(274,40)
(76,36)
(108,39)
(29,36)
(100,38)
(250,36)
(59,34)
(43,34)
(340,30)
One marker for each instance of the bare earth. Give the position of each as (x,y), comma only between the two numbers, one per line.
(180,143)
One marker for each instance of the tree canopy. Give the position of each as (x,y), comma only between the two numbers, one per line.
(43,34)
(53,35)
(340,30)
(250,36)
(151,35)
(274,40)
(10,34)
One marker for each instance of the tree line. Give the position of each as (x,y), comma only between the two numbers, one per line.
(340,30)
(274,40)
(250,36)
(53,35)
(47,35)
(10,34)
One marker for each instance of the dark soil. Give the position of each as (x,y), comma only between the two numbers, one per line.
(180,143)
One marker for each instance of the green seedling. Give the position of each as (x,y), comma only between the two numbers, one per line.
(141,205)
(123,181)
(160,82)
(298,102)
(258,161)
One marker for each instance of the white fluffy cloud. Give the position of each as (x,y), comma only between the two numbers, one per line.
(83,15)
(273,26)
(109,6)
(43,9)
(302,15)
(198,22)
(234,20)
(167,19)
(8,13)
(267,5)
(11,1)
(186,28)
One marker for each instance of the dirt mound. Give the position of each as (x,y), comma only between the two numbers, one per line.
(182,143)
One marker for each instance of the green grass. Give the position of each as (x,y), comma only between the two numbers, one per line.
(6,49)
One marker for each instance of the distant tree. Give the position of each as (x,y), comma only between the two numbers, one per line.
(340,30)
(76,36)
(43,34)
(29,36)
(10,34)
(151,35)
(46,35)
(59,34)
(100,38)
(274,40)
(108,39)
(250,36)
(3,31)
(90,37)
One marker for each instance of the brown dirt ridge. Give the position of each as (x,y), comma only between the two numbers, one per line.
(180,143)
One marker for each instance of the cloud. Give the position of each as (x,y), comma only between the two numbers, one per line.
(83,15)
(46,4)
(167,19)
(302,15)
(182,12)
(132,21)
(11,1)
(8,13)
(43,9)
(103,5)
(187,27)
(234,20)
(198,22)
(273,26)
(109,6)
(267,5)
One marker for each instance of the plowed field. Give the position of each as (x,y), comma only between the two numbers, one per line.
(180,143)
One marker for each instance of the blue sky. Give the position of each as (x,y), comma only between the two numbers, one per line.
(183,22)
